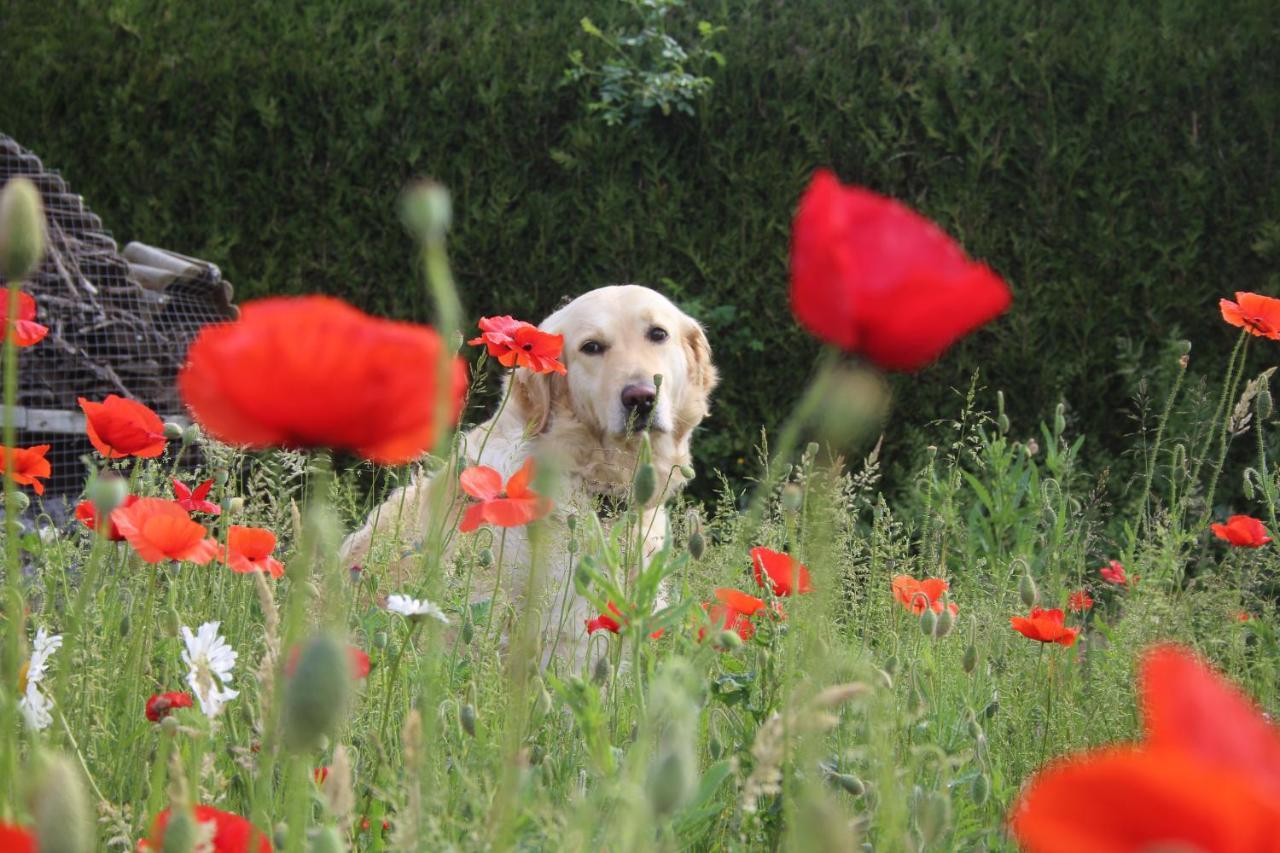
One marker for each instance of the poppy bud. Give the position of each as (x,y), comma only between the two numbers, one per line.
(1264,403)
(933,816)
(181,830)
(124,626)
(729,640)
(915,702)
(850,783)
(697,545)
(657,380)
(486,558)
(173,622)
(1060,419)
(63,816)
(1179,459)
(646,483)
(236,506)
(1249,474)
(792,497)
(426,210)
(600,672)
(931,451)
(468,632)
(22,229)
(715,747)
(20,502)
(280,835)
(946,620)
(811,449)
(970,661)
(169,725)
(975,730)
(1027,590)
(928,622)
(380,640)
(544,701)
(315,696)
(981,789)
(687,472)
(221,475)
(467,717)
(891,665)
(1002,423)
(572,521)
(326,840)
(107,493)
(172,431)
(1183,347)
(992,707)
(668,783)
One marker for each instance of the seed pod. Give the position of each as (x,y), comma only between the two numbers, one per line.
(928,622)
(315,696)
(63,816)
(236,505)
(172,431)
(970,661)
(191,434)
(426,210)
(981,789)
(697,545)
(22,229)
(467,717)
(645,484)
(946,620)
(1027,590)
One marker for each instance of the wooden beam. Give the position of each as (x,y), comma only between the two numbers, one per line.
(66,422)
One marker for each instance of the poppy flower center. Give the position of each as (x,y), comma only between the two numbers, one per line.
(527,347)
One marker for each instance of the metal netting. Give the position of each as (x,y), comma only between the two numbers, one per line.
(119,322)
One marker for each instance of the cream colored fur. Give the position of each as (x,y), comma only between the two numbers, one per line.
(576,425)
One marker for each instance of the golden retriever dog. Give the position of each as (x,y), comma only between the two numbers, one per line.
(586,425)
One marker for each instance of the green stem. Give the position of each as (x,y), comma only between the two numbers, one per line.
(1218,411)
(1155,447)
(1224,436)
(14,608)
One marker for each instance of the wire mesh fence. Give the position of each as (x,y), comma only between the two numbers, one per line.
(119,322)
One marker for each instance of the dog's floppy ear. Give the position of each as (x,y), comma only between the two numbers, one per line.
(533,395)
(703,377)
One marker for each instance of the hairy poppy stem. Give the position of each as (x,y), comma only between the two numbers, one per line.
(13,603)
(1145,516)
(1224,436)
(1220,410)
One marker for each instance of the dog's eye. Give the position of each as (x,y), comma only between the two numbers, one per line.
(657,334)
(591,348)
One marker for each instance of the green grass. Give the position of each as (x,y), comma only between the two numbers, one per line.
(669,743)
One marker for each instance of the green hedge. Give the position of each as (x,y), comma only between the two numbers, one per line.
(1116,162)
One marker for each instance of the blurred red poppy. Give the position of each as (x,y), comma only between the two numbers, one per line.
(1199,730)
(161,530)
(249,550)
(160,705)
(1113,572)
(1046,626)
(1080,601)
(321,774)
(519,506)
(29,466)
(606,621)
(1242,531)
(313,371)
(726,618)
(1258,315)
(194,501)
(515,343)
(873,277)
(26,331)
(118,428)
(88,515)
(231,833)
(785,573)
(15,839)
(360,664)
(913,594)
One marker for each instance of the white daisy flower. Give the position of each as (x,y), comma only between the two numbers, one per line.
(415,609)
(35,706)
(211,661)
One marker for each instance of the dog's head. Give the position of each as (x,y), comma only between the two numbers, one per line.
(616,340)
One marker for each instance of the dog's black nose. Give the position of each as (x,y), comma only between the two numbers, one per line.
(639,398)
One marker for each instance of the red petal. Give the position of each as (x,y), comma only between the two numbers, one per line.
(481,482)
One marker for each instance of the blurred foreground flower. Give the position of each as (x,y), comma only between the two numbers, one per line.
(515,343)
(118,428)
(210,661)
(15,839)
(360,664)
(784,573)
(1242,531)
(1113,572)
(87,513)
(29,466)
(519,506)
(161,530)
(313,371)
(1045,626)
(1207,777)
(35,706)
(1258,315)
(231,833)
(160,705)
(873,277)
(25,330)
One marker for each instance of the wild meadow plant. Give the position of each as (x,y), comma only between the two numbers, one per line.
(190,667)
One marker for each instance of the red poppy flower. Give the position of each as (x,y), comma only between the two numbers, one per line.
(1113,572)
(194,501)
(29,466)
(118,428)
(360,664)
(26,331)
(15,839)
(1199,729)
(161,530)
(518,507)
(1243,616)
(88,515)
(321,774)
(249,550)
(515,343)
(606,621)
(160,705)
(914,594)
(231,833)
(1046,626)
(873,277)
(313,371)
(1259,315)
(1080,601)
(1242,531)
(725,618)
(785,572)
